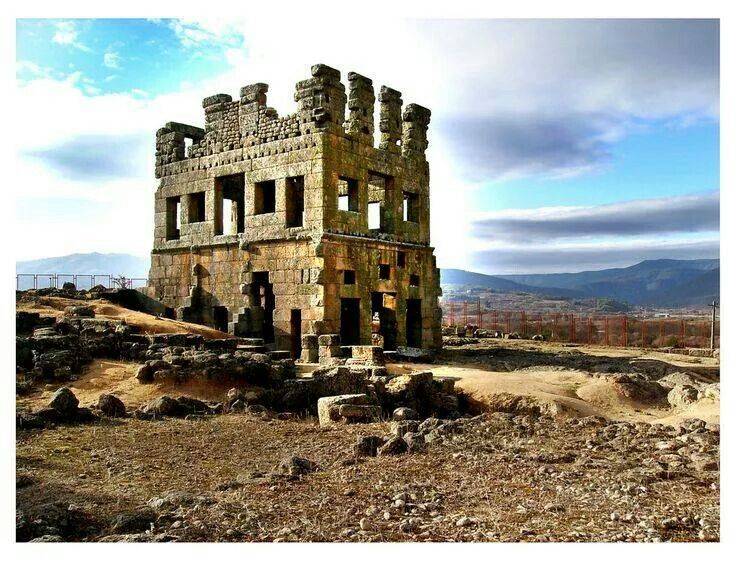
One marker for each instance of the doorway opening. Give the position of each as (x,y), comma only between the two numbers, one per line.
(414,322)
(219,316)
(383,313)
(264,297)
(296,334)
(350,321)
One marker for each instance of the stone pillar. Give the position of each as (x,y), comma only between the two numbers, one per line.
(414,133)
(310,348)
(252,98)
(321,99)
(390,119)
(360,103)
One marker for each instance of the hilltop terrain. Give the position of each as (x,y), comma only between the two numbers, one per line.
(665,283)
(560,443)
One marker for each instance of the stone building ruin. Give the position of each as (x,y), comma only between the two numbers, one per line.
(288,228)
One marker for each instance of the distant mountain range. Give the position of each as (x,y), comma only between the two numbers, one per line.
(660,282)
(131,266)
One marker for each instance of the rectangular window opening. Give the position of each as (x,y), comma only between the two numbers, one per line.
(413,280)
(411,207)
(378,187)
(347,194)
(374,216)
(295,201)
(384,272)
(230,215)
(227,217)
(173,218)
(265,197)
(348,277)
(196,207)
(401,259)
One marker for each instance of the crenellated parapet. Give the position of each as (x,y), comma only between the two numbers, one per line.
(321,99)
(390,119)
(360,104)
(171,142)
(414,131)
(322,106)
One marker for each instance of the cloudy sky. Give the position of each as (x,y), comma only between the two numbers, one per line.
(555,145)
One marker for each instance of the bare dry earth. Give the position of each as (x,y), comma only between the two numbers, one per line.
(496,477)
(573,391)
(53,306)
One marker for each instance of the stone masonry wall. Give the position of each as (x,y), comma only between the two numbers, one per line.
(284,177)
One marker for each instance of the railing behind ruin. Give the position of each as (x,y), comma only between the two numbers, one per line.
(36,281)
(618,330)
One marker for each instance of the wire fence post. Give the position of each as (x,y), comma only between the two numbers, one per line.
(523,323)
(572,328)
(682,332)
(643,333)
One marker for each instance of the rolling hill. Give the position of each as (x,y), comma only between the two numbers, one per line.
(132,266)
(469,278)
(661,282)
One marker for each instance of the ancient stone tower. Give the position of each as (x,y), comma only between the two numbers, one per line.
(283,227)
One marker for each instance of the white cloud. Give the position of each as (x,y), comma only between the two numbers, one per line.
(67,34)
(664,215)
(504,258)
(218,31)
(111,59)
(583,83)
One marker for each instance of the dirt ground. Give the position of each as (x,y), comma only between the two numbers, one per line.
(590,464)
(208,480)
(146,323)
(552,374)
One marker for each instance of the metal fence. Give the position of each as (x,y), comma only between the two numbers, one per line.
(35,281)
(597,329)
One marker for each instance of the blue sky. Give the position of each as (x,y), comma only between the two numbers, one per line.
(545,136)
(660,161)
(119,55)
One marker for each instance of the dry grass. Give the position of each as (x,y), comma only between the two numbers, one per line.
(53,306)
(117,467)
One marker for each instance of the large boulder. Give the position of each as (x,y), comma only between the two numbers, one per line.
(682,396)
(711,391)
(368,445)
(110,406)
(404,414)
(80,311)
(136,521)
(395,445)
(295,466)
(347,408)
(144,375)
(163,406)
(65,403)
